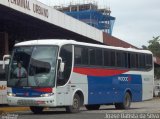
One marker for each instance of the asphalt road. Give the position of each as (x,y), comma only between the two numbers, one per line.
(147,107)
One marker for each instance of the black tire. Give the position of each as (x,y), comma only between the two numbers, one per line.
(36,110)
(92,107)
(75,107)
(126,102)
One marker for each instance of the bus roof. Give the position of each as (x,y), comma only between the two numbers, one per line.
(61,42)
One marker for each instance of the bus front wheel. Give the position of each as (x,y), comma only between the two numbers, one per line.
(126,102)
(75,107)
(92,107)
(36,110)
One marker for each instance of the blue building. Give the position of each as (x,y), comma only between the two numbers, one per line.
(91,14)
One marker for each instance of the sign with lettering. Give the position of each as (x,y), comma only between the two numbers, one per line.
(52,16)
(34,7)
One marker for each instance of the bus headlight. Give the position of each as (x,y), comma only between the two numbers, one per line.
(11,94)
(47,94)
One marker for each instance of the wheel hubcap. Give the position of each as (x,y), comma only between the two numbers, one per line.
(127,101)
(75,104)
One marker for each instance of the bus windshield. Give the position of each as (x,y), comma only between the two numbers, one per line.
(33,66)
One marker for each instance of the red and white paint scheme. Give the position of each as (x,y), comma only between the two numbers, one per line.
(66,73)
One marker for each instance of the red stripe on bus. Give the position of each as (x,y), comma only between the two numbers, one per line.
(98,71)
(45,90)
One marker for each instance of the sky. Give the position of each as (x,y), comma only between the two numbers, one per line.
(137,21)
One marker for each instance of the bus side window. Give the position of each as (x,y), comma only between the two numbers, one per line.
(141,61)
(85,56)
(148,61)
(66,55)
(78,55)
(99,57)
(106,58)
(113,58)
(92,56)
(133,61)
(121,59)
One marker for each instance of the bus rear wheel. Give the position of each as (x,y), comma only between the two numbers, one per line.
(36,110)
(75,106)
(92,107)
(126,102)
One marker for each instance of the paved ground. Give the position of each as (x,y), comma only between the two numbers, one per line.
(147,107)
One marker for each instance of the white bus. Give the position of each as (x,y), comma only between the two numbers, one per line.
(3,84)
(66,73)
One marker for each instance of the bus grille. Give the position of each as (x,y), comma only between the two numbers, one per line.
(27,103)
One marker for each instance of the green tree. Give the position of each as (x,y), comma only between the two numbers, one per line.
(144,47)
(157,73)
(154,47)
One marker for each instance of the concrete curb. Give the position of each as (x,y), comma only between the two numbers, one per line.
(13,109)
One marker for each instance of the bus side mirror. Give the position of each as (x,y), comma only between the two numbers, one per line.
(6,59)
(61,68)
(61,65)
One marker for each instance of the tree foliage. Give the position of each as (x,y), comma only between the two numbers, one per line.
(144,47)
(154,47)
(157,73)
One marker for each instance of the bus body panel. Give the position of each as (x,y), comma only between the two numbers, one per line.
(147,86)
(96,90)
(3,84)
(31,97)
(31,92)
(3,92)
(111,89)
(77,82)
(99,85)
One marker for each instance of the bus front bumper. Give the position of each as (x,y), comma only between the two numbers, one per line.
(31,101)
